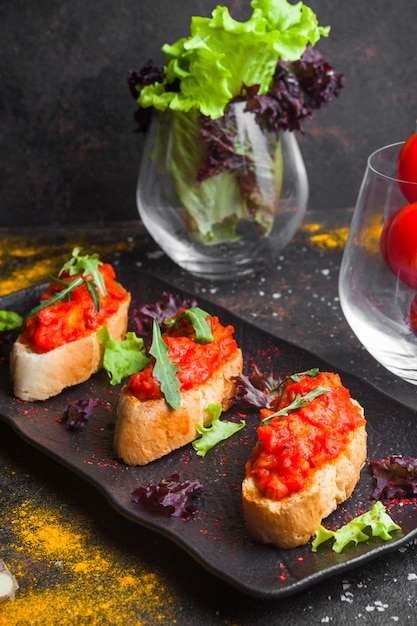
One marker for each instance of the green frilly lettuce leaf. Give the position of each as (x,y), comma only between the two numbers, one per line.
(9,320)
(122,358)
(205,75)
(216,206)
(377,519)
(217,432)
(222,54)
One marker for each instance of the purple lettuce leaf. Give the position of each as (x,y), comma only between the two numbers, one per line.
(137,79)
(396,477)
(77,414)
(162,311)
(221,154)
(298,89)
(147,75)
(170,496)
(256,390)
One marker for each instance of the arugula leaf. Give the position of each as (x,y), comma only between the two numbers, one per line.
(313,372)
(198,319)
(85,264)
(377,519)
(298,402)
(91,287)
(122,358)
(59,295)
(218,431)
(164,370)
(9,320)
(202,328)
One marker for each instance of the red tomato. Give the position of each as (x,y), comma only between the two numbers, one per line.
(399,244)
(407,168)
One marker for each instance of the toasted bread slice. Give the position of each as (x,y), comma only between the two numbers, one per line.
(290,522)
(38,376)
(148,430)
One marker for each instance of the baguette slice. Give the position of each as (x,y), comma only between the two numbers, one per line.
(148,430)
(290,522)
(38,376)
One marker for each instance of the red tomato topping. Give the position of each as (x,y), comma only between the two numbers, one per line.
(291,447)
(197,361)
(68,320)
(399,244)
(407,168)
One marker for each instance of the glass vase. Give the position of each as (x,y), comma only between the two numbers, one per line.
(221,198)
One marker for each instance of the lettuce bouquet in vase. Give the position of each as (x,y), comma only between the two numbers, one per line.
(222,184)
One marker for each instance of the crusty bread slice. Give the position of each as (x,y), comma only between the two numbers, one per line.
(290,522)
(38,376)
(148,430)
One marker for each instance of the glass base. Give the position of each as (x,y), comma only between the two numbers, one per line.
(225,261)
(390,343)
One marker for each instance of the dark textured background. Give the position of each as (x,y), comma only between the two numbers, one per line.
(68,152)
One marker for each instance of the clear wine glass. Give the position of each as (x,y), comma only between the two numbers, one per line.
(375,299)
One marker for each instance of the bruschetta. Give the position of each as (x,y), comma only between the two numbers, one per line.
(149,425)
(310,450)
(58,345)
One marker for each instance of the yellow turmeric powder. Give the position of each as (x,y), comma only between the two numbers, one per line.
(77,581)
(65,578)
(324,237)
(25,264)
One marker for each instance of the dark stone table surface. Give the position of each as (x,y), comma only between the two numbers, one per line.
(77,561)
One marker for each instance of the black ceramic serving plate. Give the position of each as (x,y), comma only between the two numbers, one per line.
(216,536)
